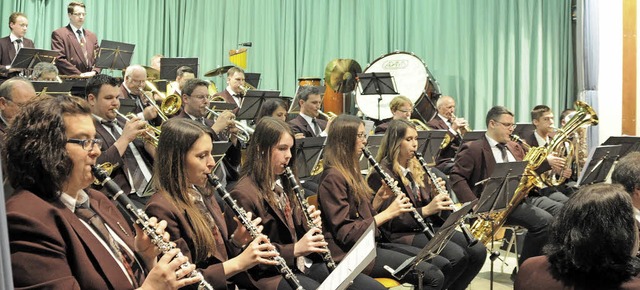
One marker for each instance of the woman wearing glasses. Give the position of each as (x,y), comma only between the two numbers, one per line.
(396,157)
(348,206)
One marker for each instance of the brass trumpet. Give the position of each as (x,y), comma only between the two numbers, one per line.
(328,115)
(150,137)
(466,127)
(245,131)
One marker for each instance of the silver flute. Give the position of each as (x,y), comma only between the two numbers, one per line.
(326,256)
(284,270)
(391,183)
(140,217)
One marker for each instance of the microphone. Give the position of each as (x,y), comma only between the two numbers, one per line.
(246,44)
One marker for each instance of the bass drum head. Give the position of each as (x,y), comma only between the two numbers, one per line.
(409,75)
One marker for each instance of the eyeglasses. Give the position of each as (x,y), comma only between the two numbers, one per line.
(87,144)
(79,14)
(508,125)
(361,136)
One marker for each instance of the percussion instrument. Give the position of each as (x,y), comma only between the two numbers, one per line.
(308,81)
(339,78)
(218,71)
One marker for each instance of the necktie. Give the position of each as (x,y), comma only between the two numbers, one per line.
(220,247)
(414,187)
(316,128)
(82,44)
(503,151)
(134,270)
(18,44)
(201,120)
(285,207)
(239,97)
(135,173)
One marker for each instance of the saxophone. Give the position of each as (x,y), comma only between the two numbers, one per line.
(326,256)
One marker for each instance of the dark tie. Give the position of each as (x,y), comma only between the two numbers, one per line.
(82,44)
(316,128)
(239,96)
(139,182)
(18,44)
(201,120)
(217,236)
(414,187)
(503,151)
(134,270)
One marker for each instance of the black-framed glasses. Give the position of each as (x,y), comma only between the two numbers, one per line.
(508,125)
(87,144)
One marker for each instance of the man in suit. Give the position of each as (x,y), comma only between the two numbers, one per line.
(78,46)
(9,45)
(14,93)
(183,74)
(234,91)
(456,127)
(121,147)
(476,161)
(50,150)
(195,100)
(132,86)
(307,123)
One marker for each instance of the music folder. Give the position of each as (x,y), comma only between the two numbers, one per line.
(222,106)
(169,66)
(127,106)
(599,164)
(28,57)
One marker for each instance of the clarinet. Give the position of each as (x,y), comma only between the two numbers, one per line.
(286,272)
(140,217)
(423,226)
(441,190)
(326,256)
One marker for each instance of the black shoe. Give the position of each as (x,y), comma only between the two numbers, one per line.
(514,274)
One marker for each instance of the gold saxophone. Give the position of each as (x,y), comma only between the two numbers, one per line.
(484,227)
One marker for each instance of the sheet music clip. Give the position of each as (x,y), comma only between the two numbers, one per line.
(599,164)
(307,153)
(377,84)
(252,103)
(114,55)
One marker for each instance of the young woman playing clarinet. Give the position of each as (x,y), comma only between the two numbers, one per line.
(264,190)
(396,156)
(194,218)
(348,206)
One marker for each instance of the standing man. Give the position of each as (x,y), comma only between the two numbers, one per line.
(456,127)
(234,92)
(307,122)
(77,46)
(9,45)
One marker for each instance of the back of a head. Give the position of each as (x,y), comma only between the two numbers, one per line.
(627,172)
(594,239)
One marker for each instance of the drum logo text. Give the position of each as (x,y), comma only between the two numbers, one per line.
(395,64)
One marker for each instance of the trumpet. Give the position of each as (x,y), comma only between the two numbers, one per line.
(245,131)
(465,128)
(328,115)
(150,137)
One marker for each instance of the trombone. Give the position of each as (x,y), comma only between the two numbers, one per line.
(151,137)
(245,131)
(170,104)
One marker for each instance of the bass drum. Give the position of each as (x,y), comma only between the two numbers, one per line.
(409,75)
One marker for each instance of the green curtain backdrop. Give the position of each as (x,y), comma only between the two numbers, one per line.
(516,53)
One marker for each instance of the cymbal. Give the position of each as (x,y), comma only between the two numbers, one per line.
(218,71)
(340,74)
(152,73)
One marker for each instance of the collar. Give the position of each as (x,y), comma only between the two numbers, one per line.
(13,38)
(540,138)
(444,118)
(100,119)
(191,116)
(307,118)
(231,92)
(70,202)
(492,143)
(404,170)
(74,29)
(636,214)
(3,120)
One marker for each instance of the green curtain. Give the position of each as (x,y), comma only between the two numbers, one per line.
(516,53)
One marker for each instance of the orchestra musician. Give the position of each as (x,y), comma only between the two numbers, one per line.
(627,173)
(77,45)
(263,191)
(155,61)
(10,44)
(273,108)
(194,218)
(45,71)
(14,93)
(401,108)
(456,127)
(396,157)
(62,234)
(476,161)
(183,74)
(347,207)
(234,91)
(132,88)
(307,122)
(121,147)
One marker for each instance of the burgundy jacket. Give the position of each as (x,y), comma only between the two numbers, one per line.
(300,125)
(8,50)
(71,60)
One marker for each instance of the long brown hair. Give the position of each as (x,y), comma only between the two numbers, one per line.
(390,150)
(340,154)
(267,134)
(178,135)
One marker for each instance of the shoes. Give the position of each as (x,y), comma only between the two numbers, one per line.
(514,274)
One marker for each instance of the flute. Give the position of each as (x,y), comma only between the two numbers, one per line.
(326,256)
(140,217)
(465,230)
(423,226)
(282,267)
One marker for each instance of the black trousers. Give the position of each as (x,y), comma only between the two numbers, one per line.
(537,221)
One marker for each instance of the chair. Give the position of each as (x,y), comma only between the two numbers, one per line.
(511,243)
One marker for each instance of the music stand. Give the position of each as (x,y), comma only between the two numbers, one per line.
(429,144)
(169,66)
(308,152)
(28,57)
(252,79)
(377,84)
(373,143)
(629,144)
(219,151)
(222,106)
(599,164)
(52,88)
(433,247)
(114,55)
(252,103)
(127,106)
(523,129)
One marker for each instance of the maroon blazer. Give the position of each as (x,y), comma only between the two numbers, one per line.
(343,220)
(181,231)
(448,153)
(401,229)
(534,274)
(8,50)
(300,125)
(110,154)
(382,127)
(51,248)
(275,227)
(71,60)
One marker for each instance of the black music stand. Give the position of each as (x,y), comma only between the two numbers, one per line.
(377,84)
(219,151)
(307,153)
(222,106)
(252,79)
(52,88)
(252,103)
(373,143)
(433,247)
(127,106)
(429,144)
(169,66)
(114,55)
(599,164)
(523,129)
(28,57)
(629,144)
